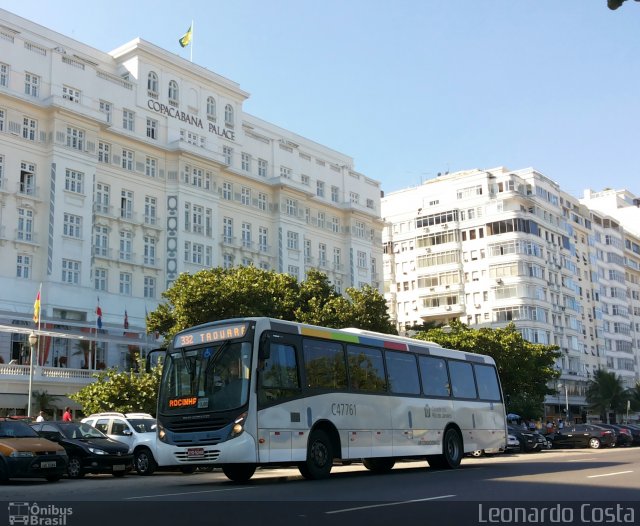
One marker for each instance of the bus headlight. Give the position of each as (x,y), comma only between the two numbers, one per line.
(162,435)
(238,425)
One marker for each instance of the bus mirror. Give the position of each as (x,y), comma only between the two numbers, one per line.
(154,358)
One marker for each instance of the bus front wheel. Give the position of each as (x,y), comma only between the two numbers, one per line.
(451,452)
(378,465)
(239,472)
(319,457)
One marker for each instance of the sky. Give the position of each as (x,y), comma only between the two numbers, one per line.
(412,88)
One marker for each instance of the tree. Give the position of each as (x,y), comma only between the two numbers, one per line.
(45,401)
(525,368)
(121,391)
(606,394)
(217,293)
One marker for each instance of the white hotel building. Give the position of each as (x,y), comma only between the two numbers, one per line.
(489,247)
(121,170)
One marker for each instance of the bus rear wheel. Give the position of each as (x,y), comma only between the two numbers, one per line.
(451,452)
(378,465)
(239,472)
(319,457)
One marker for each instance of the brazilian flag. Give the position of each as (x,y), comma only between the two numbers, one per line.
(186,38)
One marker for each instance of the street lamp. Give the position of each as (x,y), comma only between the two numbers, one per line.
(566,399)
(33,340)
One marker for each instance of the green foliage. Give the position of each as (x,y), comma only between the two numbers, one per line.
(218,293)
(606,394)
(525,368)
(121,391)
(43,401)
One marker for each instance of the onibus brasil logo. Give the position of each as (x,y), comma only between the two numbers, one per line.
(37,515)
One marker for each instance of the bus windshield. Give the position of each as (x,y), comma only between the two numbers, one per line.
(213,378)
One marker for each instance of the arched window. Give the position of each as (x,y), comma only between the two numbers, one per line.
(173,93)
(228,115)
(152,84)
(211,109)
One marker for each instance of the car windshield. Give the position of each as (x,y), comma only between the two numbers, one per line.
(10,429)
(143,425)
(81,431)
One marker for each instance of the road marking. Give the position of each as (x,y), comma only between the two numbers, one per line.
(388,504)
(609,474)
(581,459)
(185,493)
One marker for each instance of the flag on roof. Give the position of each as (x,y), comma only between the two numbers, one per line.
(186,38)
(36,309)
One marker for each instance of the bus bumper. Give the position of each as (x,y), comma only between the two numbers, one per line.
(239,449)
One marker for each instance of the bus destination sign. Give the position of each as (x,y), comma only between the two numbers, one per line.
(210,335)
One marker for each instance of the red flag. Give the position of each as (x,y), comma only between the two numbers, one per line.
(126,319)
(99,316)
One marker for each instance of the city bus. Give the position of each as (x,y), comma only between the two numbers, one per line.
(254,392)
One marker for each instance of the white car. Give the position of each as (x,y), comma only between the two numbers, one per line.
(137,430)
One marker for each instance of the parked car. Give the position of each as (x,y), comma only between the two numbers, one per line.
(622,434)
(583,435)
(528,440)
(482,452)
(89,450)
(25,454)
(635,433)
(136,430)
(513,444)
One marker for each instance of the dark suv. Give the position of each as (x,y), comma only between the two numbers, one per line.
(529,440)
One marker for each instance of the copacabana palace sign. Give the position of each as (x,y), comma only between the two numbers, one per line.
(175,113)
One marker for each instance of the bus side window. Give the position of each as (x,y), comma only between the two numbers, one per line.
(278,373)
(435,379)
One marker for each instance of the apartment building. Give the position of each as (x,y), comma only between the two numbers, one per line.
(489,247)
(121,170)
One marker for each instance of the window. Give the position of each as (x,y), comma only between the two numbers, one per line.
(359,229)
(1,171)
(101,241)
(324,364)
(403,373)
(285,172)
(75,138)
(127,159)
(23,266)
(291,207)
(2,119)
(150,208)
(105,107)
(227,190)
(246,235)
(335,194)
(262,201)
(151,167)
(174,96)
(72,226)
(228,116)
(103,199)
(337,258)
(246,162)
(304,179)
(104,152)
(126,204)
(152,85)
(262,167)
(321,219)
(211,109)
(335,225)
(462,383)
(293,270)
(70,272)
(126,245)
(30,129)
(4,75)
(293,240)
(125,283)
(488,387)
(197,219)
(227,229)
(354,198)
(152,128)
(263,236)
(71,94)
(149,287)
(27,178)
(362,259)
(227,261)
(245,196)
(128,120)
(366,369)
(320,188)
(227,155)
(322,254)
(25,224)
(74,181)
(279,375)
(149,250)
(435,379)
(100,279)
(31,84)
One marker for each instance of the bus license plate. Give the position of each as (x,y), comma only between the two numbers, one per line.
(195,452)
(49,464)
(118,467)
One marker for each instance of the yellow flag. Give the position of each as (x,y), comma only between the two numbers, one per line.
(36,309)
(186,38)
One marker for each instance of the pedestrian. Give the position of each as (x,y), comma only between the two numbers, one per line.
(41,417)
(66,417)
(560,423)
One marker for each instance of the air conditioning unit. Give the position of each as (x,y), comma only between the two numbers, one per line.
(499,281)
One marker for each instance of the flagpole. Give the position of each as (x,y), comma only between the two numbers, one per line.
(39,320)
(191,49)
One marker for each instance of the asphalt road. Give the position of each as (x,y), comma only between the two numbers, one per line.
(582,485)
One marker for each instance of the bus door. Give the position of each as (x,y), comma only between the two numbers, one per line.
(282,428)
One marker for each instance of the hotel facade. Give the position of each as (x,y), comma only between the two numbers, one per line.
(121,170)
(489,247)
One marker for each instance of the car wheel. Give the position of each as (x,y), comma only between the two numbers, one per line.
(319,457)
(477,453)
(451,452)
(144,462)
(594,443)
(74,468)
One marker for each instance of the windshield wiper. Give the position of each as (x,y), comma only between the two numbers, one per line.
(212,358)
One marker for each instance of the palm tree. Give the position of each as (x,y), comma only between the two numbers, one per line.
(606,394)
(45,401)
